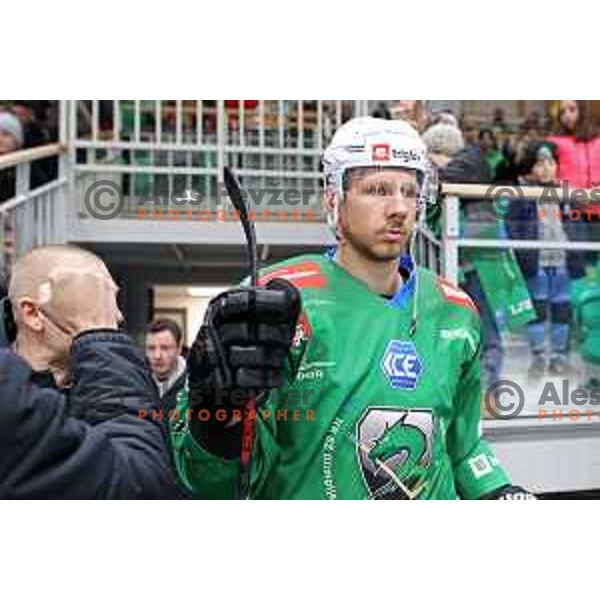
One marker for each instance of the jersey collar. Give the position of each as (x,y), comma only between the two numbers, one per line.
(407,268)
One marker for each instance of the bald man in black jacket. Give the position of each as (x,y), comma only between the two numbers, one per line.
(92,441)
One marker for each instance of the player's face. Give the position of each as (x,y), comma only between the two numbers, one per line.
(379,212)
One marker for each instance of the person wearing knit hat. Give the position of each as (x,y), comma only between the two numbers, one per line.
(443,141)
(11,133)
(540,161)
(446,118)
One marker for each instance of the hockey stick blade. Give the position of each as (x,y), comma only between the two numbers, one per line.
(235,193)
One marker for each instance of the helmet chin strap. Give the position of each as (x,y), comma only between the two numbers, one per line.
(333,216)
(421,214)
(333,222)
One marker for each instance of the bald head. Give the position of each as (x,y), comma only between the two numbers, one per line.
(32,271)
(58,292)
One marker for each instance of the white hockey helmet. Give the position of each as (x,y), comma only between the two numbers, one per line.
(369,142)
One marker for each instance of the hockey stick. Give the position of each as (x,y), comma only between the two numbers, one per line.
(235,193)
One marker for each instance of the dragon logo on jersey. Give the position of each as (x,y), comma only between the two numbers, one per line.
(394,451)
(402,365)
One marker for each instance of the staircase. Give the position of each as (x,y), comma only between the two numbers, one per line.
(32,217)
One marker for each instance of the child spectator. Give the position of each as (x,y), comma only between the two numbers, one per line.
(548,271)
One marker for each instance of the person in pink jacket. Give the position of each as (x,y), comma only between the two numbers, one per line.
(578,145)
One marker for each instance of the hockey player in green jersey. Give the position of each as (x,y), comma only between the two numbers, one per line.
(380,397)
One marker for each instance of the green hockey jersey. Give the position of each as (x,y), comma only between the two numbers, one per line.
(372,408)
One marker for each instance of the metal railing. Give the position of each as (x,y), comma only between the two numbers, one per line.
(453,238)
(164,148)
(150,146)
(514,343)
(32,217)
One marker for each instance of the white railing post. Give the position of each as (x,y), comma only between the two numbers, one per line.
(65,170)
(23,229)
(221,143)
(451,228)
(22,183)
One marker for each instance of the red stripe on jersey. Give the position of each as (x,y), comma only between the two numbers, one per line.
(454,295)
(306,274)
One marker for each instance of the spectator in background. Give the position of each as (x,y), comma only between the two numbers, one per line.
(33,132)
(446,117)
(34,135)
(411,111)
(513,149)
(508,170)
(578,146)
(458,163)
(533,124)
(382,111)
(471,135)
(444,141)
(468,166)
(164,340)
(548,272)
(498,121)
(11,140)
(11,133)
(501,133)
(492,157)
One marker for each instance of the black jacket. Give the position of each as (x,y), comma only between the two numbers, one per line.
(468,166)
(168,401)
(107,450)
(168,390)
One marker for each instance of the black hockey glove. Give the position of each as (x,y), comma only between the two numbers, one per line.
(240,352)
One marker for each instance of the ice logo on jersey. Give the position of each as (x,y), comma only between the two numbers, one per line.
(402,365)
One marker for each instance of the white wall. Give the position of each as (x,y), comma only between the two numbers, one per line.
(170,296)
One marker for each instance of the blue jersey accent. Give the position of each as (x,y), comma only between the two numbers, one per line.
(404,294)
